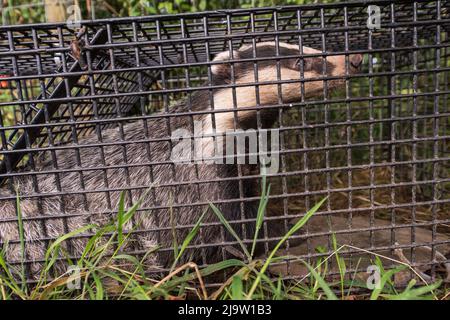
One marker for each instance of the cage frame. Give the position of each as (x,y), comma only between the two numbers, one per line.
(165,60)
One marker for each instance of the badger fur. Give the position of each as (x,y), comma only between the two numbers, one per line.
(82,191)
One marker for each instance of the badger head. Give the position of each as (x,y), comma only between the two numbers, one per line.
(264,76)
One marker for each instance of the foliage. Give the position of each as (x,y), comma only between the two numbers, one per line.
(33,11)
(105,271)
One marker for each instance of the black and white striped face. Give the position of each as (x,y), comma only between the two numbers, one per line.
(266,63)
(289,54)
(264,75)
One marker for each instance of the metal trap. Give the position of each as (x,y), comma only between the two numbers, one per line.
(377,147)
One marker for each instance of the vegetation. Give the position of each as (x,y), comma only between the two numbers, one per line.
(103,275)
(105,272)
(29,11)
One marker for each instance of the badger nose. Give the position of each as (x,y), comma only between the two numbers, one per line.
(356,60)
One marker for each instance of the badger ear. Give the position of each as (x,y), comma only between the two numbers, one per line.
(223,69)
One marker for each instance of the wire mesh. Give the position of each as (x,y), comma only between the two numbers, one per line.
(377,147)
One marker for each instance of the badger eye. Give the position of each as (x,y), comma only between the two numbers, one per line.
(309,64)
(306,62)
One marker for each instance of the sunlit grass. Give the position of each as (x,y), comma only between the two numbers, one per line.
(106,272)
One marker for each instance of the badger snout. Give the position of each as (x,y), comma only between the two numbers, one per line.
(355,62)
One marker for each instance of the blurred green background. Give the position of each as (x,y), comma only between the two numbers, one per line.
(33,11)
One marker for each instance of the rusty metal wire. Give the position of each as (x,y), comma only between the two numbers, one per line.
(378,149)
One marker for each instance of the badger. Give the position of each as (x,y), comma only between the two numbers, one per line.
(82,185)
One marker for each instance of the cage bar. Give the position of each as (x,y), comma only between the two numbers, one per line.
(377,148)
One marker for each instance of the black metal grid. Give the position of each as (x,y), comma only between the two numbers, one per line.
(378,149)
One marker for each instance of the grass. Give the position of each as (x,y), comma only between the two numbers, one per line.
(120,276)
(104,271)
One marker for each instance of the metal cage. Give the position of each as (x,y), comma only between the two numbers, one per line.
(377,148)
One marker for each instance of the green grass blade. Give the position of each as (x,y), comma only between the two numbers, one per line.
(191,235)
(120,217)
(341,264)
(261,212)
(99,292)
(22,241)
(9,280)
(322,283)
(385,277)
(230,230)
(132,260)
(213,268)
(174,232)
(237,288)
(130,213)
(294,229)
(411,293)
(52,250)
